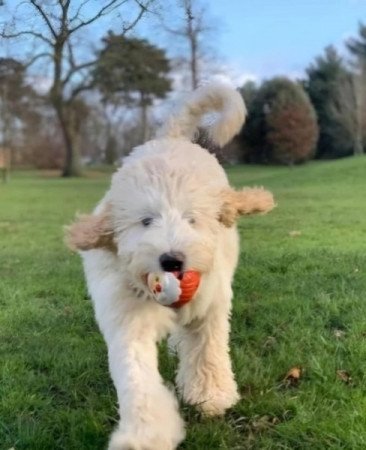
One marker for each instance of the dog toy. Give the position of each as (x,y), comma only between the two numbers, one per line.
(170,289)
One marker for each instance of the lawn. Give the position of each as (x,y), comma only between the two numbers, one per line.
(300,301)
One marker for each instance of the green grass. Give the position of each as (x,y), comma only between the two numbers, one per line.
(300,299)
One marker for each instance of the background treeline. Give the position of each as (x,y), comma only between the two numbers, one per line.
(93,107)
(69,96)
(321,116)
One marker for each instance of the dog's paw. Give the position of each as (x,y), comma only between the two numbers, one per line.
(217,404)
(123,441)
(214,401)
(146,438)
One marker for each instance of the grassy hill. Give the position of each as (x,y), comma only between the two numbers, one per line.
(300,301)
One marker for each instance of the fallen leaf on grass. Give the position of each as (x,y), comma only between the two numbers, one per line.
(295,233)
(67,311)
(344,376)
(293,376)
(270,342)
(339,334)
(7,227)
(256,424)
(264,422)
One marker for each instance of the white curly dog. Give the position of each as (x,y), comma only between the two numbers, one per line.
(169,207)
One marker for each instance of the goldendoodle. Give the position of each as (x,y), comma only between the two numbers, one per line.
(169,209)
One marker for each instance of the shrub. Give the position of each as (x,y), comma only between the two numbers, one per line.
(282,126)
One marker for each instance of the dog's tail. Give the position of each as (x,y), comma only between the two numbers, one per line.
(217,98)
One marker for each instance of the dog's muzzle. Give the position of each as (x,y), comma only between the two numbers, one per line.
(172,262)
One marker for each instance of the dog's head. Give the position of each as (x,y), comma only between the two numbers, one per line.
(159,216)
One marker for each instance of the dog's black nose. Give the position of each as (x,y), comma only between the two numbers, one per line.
(172,262)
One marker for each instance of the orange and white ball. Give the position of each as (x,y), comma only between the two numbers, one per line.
(169,290)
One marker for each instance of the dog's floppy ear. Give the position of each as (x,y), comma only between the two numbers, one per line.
(91,231)
(244,202)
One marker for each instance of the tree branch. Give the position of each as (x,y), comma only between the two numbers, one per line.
(76,15)
(80,88)
(143,9)
(45,17)
(26,33)
(176,32)
(64,22)
(36,57)
(76,68)
(109,7)
(194,19)
(71,57)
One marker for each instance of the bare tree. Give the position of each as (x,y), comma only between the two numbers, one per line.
(194,27)
(56,25)
(193,30)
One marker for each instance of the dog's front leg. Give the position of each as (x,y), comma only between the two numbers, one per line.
(149,417)
(205,377)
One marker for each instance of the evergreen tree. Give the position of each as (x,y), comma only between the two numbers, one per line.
(18,101)
(249,92)
(132,71)
(357,46)
(326,76)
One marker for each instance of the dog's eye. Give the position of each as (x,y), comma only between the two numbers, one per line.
(189,218)
(146,221)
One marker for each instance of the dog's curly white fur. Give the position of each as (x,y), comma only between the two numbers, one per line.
(169,196)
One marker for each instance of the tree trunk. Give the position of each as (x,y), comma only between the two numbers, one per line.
(194,78)
(359,94)
(192,37)
(357,146)
(144,121)
(72,167)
